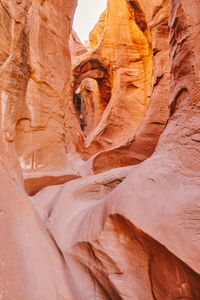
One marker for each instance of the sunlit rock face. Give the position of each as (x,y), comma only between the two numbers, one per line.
(96,33)
(131,49)
(131,232)
(121,62)
(140,144)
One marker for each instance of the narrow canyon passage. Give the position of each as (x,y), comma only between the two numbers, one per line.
(99,150)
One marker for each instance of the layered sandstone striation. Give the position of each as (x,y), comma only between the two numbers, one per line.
(122,65)
(32,91)
(128,71)
(141,143)
(132,102)
(37,41)
(144,244)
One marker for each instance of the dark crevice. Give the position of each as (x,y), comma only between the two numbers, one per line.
(78,102)
(96,270)
(158,123)
(158,79)
(156,10)
(176,102)
(155,51)
(150,276)
(139,15)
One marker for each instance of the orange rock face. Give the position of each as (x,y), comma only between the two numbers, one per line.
(75,45)
(96,34)
(139,145)
(127,130)
(122,66)
(130,108)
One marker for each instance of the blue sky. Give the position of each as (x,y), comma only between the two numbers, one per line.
(87,15)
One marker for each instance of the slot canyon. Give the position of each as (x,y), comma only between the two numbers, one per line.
(100,152)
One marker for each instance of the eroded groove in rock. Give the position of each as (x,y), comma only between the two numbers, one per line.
(124,53)
(128,233)
(31,267)
(160,197)
(141,144)
(40,137)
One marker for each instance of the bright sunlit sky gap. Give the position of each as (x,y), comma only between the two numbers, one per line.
(86,16)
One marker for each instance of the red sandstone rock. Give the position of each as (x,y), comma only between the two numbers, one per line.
(127,137)
(123,60)
(96,34)
(31,267)
(45,58)
(138,239)
(75,45)
(130,232)
(141,144)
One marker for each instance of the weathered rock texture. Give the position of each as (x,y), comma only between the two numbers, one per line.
(96,33)
(75,45)
(126,46)
(131,232)
(122,67)
(39,53)
(33,91)
(140,144)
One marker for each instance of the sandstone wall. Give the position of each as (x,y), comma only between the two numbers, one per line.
(32,90)
(132,233)
(123,59)
(139,145)
(128,233)
(96,34)
(131,49)
(45,64)
(75,45)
